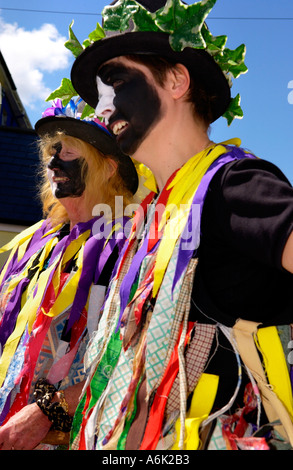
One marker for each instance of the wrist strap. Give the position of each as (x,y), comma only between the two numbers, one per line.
(57,413)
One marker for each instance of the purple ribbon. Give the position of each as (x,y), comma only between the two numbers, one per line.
(94,260)
(36,243)
(6,409)
(11,312)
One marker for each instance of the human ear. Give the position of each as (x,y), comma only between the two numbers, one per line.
(179,81)
(112,166)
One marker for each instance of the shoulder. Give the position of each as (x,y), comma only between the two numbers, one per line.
(249,205)
(247,171)
(250,181)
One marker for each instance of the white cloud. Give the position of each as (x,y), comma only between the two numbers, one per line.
(31,56)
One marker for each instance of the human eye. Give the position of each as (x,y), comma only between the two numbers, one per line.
(69,154)
(118,82)
(72,155)
(115,77)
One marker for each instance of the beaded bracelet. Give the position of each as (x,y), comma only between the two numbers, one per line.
(57,413)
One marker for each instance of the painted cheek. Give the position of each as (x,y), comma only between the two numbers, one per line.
(141,107)
(74,183)
(105,107)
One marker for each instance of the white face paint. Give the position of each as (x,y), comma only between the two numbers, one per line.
(50,175)
(105,107)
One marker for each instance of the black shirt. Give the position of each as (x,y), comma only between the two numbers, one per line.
(247,218)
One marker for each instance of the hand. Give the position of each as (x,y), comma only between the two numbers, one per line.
(25,430)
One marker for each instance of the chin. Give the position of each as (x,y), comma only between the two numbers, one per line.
(129,146)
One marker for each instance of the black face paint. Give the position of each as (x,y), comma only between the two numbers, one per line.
(67,179)
(137,105)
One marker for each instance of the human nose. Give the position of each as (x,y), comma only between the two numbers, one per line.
(54,163)
(105,108)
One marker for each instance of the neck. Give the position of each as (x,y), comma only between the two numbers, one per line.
(76,209)
(171,144)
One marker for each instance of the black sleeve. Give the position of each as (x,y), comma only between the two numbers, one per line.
(254,208)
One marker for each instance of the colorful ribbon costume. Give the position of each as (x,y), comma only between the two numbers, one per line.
(46,317)
(145,340)
(145,334)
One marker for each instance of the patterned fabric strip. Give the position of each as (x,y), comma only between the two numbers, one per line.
(183,306)
(196,358)
(95,351)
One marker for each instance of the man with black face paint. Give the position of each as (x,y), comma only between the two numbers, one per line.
(55,280)
(135,109)
(198,316)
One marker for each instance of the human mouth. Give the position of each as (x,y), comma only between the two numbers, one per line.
(119,127)
(60,179)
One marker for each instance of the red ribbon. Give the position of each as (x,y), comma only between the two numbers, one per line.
(154,425)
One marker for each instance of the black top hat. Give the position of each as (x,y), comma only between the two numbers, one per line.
(97,136)
(199,62)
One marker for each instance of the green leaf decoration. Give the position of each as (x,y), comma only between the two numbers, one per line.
(117,17)
(73,43)
(94,36)
(214,44)
(184,23)
(234,110)
(65,92)
(233,61)
(87,111)
(143,20)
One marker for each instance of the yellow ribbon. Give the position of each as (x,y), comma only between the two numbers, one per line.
(202,402)
(275,365)
(19,242)
(21,237)
(183,188)
(67,294)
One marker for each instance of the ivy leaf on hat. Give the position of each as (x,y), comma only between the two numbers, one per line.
(73,43)
(233,61)
(117,18)
(95,35)
(214,44)
(184,23)
(144,20)
(65,92)
(234,110)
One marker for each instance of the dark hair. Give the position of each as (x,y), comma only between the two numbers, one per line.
(159,66)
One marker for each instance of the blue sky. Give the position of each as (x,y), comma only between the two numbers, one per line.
(31,42)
